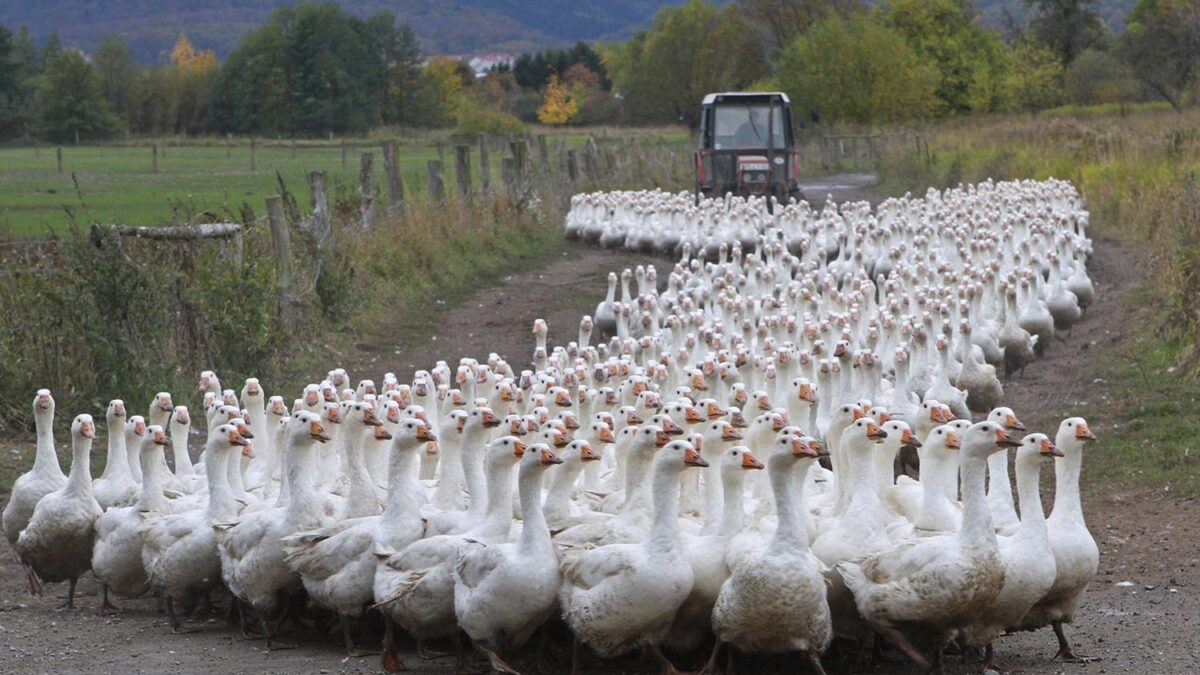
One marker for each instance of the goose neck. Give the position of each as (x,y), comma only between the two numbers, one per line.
(361,500)
(46,458)
(535,535)
(152,498)
(791,531)
(80,479)
(1066,481)
(221,504)
(498,517)
(303,499)
(471,459)
(403,487)
(118,459)
(1028,474)
(637,488)
(664,534)
(977,517)
(558,497)
(733,514)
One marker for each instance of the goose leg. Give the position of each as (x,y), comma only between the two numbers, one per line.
(351,650)
(543,663)
(35,584)
(989,661)
(391,660)
(909,650)
(70,603)
(668,668)
(710,668)
(105,605)
(814,660)
(176,626)
(576,657)
(272,643)
(1065,653)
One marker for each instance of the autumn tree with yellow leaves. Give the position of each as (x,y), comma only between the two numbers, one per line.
(558,105)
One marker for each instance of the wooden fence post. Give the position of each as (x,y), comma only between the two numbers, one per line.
(154,157)
(252,157)
(365,189)
(322,223)
(485,167)
(520,153)
(462,170)
(437,187)
(573,165)
(589,159)
(508,174)
(395,183)
(58,155)
(281,242)
(543,155)
(343,153)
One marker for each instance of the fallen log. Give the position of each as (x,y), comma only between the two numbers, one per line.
(178,232)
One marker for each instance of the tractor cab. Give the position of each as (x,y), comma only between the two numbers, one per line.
(746,146)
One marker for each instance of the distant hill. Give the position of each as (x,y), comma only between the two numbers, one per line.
(445,26)
(996,13)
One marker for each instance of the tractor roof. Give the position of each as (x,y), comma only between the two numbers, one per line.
(745,97)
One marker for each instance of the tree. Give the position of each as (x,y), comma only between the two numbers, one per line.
(70,102)
(691,50)
(532,71)
(558,106)
(1099,77)
(1163,46)
(51,49)
(858,69)
(1033,79)
(118,69)
(1067,27)
(191,76)
(945,34)
(783,20)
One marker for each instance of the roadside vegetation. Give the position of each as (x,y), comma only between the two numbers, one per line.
(1137,172)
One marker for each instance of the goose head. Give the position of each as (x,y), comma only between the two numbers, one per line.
(209,382)
(115,415)
(985,438)
(180,418)
(1072,434)
(1006,418)
(1038,447)
(677,456)
(411,434)
(83,426)
(738,459)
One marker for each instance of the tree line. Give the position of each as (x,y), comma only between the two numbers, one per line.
(314,69)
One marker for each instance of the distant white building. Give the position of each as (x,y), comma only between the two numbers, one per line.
(482,63)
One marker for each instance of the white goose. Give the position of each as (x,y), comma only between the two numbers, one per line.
(916,593)
(115,487)
(623,597)
(337,563)
(1076,555)
(774,600)
(45,477)
(1029,568)
(179,551)
(504,592)
(57,543)
(251,547)
(117,553)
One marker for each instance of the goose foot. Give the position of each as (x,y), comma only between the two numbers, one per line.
(273,643)
(105,606)
(498,664)
(1065,653)
(391,660)
(176,627)
(426,654)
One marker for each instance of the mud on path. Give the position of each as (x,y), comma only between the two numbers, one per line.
(1147,624)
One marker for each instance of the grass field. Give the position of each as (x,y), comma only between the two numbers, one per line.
(117,184)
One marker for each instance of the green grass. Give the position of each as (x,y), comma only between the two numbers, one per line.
(116,183)
(1153,433)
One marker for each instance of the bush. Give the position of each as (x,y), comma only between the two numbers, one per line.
(479,120)
(1098,77)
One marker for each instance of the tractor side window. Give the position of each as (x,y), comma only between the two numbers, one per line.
(741,127)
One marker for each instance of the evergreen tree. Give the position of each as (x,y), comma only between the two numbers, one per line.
(70,101)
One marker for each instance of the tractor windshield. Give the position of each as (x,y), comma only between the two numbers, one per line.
(745,126)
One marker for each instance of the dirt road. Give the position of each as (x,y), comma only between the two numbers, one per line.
(1142,613)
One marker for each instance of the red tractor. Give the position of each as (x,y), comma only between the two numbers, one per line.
(746,146)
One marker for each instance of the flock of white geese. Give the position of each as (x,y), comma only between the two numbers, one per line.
(843,351)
